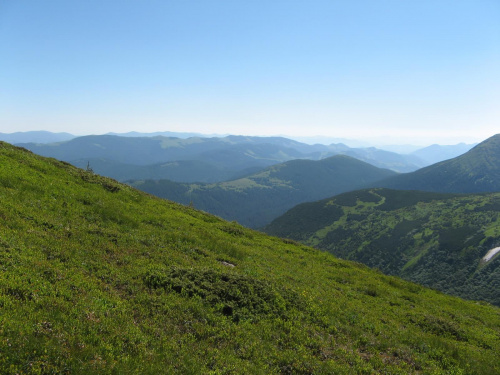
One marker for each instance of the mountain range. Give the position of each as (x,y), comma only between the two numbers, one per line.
(98,277)
(233,153)
(394,157)
(35,137)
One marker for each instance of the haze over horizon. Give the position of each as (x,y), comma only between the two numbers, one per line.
(384,72)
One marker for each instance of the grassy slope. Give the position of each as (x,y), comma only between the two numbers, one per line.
(434,239)
(478,170)
(256,200)
(100,278)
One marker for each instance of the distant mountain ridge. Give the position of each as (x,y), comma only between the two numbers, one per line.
(256,151)
(257,199)
(205,159)
(35,137)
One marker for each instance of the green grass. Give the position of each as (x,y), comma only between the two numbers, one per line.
(97,277)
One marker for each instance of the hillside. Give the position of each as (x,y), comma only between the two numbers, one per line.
(256,200)
(478,170)
(100,278)
(437,240)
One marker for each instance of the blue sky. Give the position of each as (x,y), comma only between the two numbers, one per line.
(386,71)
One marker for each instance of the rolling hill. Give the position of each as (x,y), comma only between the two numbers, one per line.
(256,200)
(98,277)
(437,240)
(478,170)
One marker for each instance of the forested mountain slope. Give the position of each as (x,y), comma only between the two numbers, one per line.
(100,278)
(438,240)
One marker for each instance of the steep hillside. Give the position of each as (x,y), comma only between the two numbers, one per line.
(257,199)
(438,240)
(99,278)
(478,170)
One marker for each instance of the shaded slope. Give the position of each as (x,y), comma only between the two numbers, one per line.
(257,199)
(179,171)
(100,278)
(478,170)
(434,239)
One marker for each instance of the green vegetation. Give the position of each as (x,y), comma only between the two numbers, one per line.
(476,171)
(434,239)
(97,277)
(256,200)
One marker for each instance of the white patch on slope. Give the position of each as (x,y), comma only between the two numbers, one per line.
(490,254)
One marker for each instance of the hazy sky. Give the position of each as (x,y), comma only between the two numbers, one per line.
(399,71)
